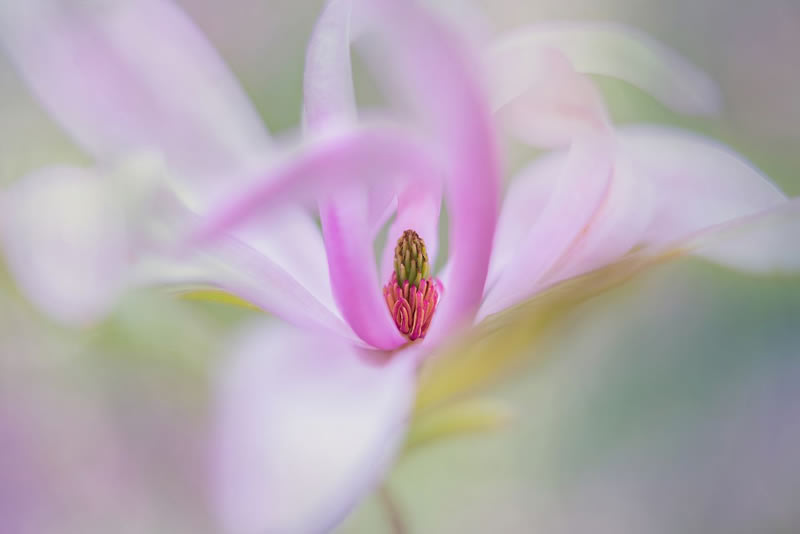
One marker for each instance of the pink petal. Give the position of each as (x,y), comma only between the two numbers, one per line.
(306,429)
(125,76)
(350,218)
(541,98)
(422,63)
(354,277)
(620,52)
(582,187)
(617,227)
(696,181)
(329,95)
(139,75)
(67,241)
(327,164)
(328,92)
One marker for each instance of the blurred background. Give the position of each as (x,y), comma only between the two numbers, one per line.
(669,405)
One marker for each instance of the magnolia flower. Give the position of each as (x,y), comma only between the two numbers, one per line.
(312,408)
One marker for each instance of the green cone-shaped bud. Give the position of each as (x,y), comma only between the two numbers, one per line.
(410,259)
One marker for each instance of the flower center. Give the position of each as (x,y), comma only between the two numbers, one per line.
(410,294)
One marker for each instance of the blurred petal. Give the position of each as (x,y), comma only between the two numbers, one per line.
(327,163)
(696,181)
(525,199)
(292,241)
(583,186)
(307,426)
(66,240)
(666,185)
(237,268)
(541,98)
(620,52)
(122,76)
(764,243)
(329,95)
(328,91)
(617,227)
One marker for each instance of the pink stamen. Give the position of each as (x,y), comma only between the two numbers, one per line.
(412,307)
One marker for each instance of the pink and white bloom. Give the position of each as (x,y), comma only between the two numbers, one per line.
(312,408)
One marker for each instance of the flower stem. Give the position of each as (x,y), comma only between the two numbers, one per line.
(393,514)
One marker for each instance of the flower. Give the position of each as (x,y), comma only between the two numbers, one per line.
(310,415)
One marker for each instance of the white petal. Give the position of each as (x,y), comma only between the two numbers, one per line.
(617,227)
(67,241)
(620,52)
(293,242)
(130,75)
(581,189)
(696,181)
(236,267)
(541,98)
(765,243)
(307,426)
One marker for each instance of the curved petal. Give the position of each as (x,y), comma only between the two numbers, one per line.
(620,52)
(351,263)
(424,66)
(351,217)
(123,76)
(420,64)
(582,188)
(761,243)
(336,162)
(66,240)
(306,428)
(526,198)
(617,227)
(328,92)
(541,98)
(130,75)
(696,181)
(329,95)
(292,241)
(666,185)
(232,265)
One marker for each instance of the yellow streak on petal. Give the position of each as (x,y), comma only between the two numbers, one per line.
(501,343)
(216,295)
(474,416)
